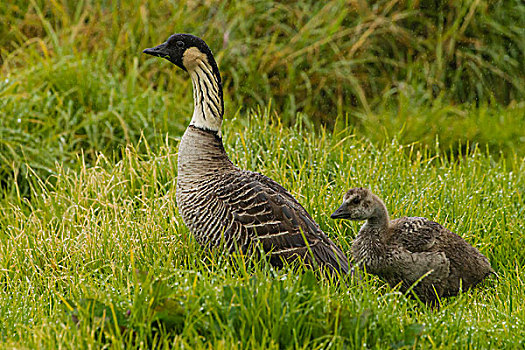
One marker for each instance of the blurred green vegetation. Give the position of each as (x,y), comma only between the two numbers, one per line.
(317,57)
(73,77)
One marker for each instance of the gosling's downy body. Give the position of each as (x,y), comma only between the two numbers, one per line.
(408,249)
(226,206)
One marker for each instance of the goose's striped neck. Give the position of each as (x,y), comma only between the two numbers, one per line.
(207,96)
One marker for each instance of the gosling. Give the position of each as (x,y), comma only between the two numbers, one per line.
(411,251)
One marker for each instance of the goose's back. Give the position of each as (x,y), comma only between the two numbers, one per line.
(468,266)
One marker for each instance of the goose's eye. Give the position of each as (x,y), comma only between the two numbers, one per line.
(180,44)
(355,200)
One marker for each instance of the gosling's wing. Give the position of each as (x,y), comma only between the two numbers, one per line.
(468,266)
(426,272)
(415,234)
(266,212)
(412,266)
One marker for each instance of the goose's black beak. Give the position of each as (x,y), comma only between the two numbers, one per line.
(339,213)
(158,51)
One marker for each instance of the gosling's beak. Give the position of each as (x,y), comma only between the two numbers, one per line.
(339,213)
(158,51)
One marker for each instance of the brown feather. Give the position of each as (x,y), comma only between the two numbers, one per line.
(223,204)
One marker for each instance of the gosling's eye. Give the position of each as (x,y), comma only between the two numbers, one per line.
(355,200)
(180,44)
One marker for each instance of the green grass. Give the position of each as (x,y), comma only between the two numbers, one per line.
(420,101)
(100,256)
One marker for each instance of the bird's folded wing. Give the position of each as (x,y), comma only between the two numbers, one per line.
(430,267)
(271,215)
(415,234)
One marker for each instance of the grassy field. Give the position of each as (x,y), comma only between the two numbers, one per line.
(103,245)
(93,252)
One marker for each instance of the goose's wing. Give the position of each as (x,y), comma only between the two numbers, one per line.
(412,266)
(468,266)
(415,234)
(430,270)
(268,213)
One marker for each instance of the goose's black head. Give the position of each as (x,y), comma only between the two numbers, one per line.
(184,50)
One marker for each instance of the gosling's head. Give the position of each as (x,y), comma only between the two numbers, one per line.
(358,204)
(186,51)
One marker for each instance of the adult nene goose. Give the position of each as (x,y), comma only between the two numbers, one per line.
(226,206)
(406,249)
